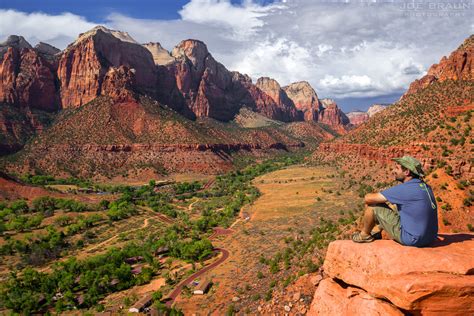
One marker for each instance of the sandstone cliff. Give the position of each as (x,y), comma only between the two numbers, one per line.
(27,91)
(26,78)
(160,55)
(357,117)
(188,80)
(193,83)
(304,98)
(204,83)
(85,63)
(385,278)
(458,66)
(331,115)
(272,88)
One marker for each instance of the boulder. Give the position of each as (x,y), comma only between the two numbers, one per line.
(436,280)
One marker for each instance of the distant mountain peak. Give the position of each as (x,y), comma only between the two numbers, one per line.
(16,41)
(123,36)
(160,55)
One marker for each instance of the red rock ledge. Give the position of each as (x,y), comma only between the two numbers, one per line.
(385,278)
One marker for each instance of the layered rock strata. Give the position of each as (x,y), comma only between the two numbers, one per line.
(385,278)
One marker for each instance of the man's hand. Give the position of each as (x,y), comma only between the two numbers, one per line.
(374,198)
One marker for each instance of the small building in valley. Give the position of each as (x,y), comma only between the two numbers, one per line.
(202,287)
(141,304)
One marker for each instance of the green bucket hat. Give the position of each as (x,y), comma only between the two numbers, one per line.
(411,164)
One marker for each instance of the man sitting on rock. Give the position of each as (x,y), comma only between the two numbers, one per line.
(413,218)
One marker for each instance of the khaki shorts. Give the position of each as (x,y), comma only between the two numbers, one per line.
(389,220)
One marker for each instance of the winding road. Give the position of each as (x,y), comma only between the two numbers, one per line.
(174,294)
(218,231)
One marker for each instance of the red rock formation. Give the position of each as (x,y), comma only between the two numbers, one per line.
(356,118)
(26,79)
(458,66)
(427,281)
(203,82)
(331,115)
(202,87)
(304,98)
(251,96)
(48,52)
(119,84)
(84,64)
(272,88)
(333,299)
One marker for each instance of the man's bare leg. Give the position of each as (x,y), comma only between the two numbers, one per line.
(369,221)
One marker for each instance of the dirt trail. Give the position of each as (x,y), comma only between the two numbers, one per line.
(162,217)
(107,241)
(190,207)
(146,222)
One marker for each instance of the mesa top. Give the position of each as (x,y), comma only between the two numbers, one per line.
(418,212)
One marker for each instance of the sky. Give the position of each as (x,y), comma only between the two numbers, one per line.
(358,52)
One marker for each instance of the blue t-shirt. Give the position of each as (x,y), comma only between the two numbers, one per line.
(418,218)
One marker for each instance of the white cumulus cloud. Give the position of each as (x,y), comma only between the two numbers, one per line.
(57,30)
(242,20)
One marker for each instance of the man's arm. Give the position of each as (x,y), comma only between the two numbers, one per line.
(374,198)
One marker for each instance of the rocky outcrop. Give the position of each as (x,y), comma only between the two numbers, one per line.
(160,55)
(384,277)
(332,298)
(15,41)
(119,84)
(458,66)
(376,108)
(26,79)
(331,115)
(357,117)
(85,63)
(204,83)
(250,96)
(27,84)
(304,98)
(48,52)
(196,85)
(272,88)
